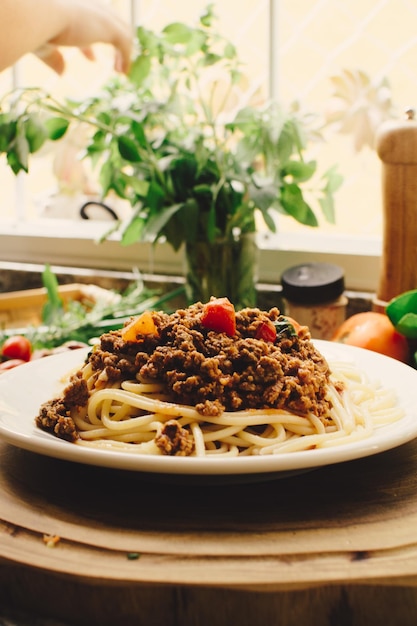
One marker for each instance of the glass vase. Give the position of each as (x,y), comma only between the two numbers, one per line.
(223,268)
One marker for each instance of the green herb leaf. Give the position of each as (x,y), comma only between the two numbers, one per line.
(140,70)
(139,186)
(14,162)
(264,196)
(156,222)
(56,127)
(128,149)
(139,133)
(35,133)
(294,204)
(206,19)
(53,308)
(328,208)
(133,231)
(7,132)
(334,180)
(299,171)
(177,33)
(21,151)
(284,328)
(188,217)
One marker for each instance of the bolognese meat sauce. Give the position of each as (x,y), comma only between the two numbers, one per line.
(264,364)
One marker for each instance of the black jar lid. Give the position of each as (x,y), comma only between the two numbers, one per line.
(313,283)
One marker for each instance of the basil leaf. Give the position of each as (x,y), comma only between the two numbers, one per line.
(128,149)
(56,127)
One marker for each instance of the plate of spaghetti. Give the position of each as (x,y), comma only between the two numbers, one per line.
(207,390)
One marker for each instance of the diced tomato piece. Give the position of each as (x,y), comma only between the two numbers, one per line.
(142,325)
(219,315)
(17,347)
(266,331)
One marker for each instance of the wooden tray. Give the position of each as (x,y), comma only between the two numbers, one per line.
(256,547)
(24,308)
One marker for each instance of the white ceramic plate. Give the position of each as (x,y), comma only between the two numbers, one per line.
(23,389)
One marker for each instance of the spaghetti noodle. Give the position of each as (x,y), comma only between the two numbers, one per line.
(182,388)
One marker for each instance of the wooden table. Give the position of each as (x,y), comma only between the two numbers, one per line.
(337,545)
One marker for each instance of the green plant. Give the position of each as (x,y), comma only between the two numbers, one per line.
(165,139)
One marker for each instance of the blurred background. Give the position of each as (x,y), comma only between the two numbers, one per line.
(345,63)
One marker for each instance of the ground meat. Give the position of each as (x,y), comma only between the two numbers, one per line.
(209,370)
(54,417)
(76,393)
(174,440)
(216,372)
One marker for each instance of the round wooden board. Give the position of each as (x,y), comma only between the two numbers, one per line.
(352,523)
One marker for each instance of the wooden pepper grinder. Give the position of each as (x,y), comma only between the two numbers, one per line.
(396,145)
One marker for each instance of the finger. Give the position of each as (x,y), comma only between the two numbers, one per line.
(88,52)
(123,44)
(51,56)
(121,64)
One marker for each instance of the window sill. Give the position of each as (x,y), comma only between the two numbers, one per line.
(75,244)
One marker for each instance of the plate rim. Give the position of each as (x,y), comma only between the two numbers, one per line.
(35,440)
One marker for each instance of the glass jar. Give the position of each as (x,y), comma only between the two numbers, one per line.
(313,294)
(223,268)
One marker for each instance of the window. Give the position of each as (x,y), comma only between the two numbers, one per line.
(291,50)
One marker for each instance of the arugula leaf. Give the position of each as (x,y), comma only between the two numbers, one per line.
(54,306)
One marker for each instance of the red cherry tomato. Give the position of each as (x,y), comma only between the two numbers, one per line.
(373,331)
(219,315)
(17,347)
(10,364)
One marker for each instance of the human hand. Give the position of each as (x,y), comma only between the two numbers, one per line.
(88,23)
